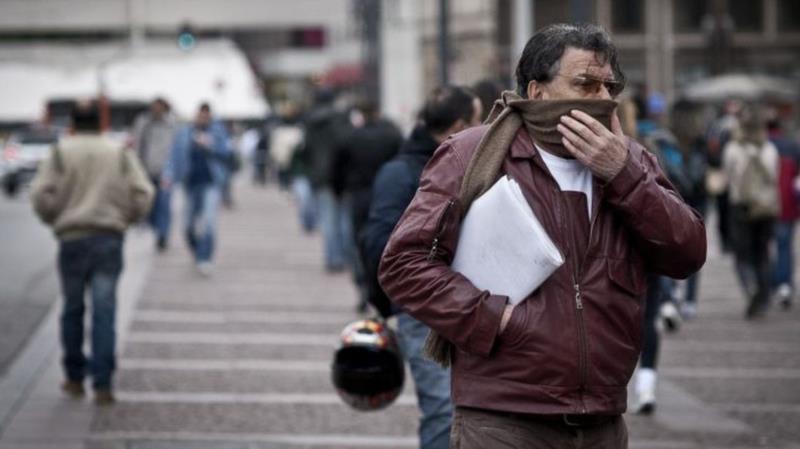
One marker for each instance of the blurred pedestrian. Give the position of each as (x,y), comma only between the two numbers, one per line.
(325,128)
(687,126)
(153,135)
(681,151)
(233,164)
(488,91)
(646,374)
(552,370)
(788,172)
(447,111)
(355,165)
(750,162)
(285,139)
(253,147)
(199,160)
(719,134)
(89,190)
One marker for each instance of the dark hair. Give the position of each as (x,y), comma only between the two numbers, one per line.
(540,58)
(163,102)
(86,117)
(369,107)
(445,106)
(205,107)
(487,91)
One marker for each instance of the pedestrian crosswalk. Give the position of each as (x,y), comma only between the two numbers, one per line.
(242,359)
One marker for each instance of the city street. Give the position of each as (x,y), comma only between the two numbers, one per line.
(241,360)
(27,274)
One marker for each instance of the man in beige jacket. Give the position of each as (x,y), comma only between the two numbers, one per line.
(89,191)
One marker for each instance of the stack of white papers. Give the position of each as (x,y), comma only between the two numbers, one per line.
(502,247)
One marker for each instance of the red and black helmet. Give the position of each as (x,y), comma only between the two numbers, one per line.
(368,369)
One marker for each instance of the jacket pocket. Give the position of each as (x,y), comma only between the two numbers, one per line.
(439,231)
(516,324)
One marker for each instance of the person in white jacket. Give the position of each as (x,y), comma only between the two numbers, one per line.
(750,162)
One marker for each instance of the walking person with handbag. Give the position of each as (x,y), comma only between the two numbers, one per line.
(552,370)
(750,162)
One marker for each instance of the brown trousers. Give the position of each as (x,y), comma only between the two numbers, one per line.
(485,429)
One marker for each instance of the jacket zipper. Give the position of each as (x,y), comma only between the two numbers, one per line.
(583,368)
(439,230)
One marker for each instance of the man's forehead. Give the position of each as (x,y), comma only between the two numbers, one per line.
(577,61)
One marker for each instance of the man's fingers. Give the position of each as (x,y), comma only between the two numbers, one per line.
(579,142)
(590,122)
(580,129)
(579,155)
(616,125)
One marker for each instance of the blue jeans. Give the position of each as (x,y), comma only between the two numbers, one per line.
(202,206)
(335,226)
(95,262)
(161,213)
(432,382)
(304,198)
(784,263)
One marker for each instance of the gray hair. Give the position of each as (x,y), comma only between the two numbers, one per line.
(540,58)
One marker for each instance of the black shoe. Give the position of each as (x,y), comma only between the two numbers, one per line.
(646,409)
(161,244)
(755,311)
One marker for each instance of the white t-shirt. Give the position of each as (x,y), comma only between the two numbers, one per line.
(570,174)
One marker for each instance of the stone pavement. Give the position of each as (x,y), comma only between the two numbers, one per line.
(241,359)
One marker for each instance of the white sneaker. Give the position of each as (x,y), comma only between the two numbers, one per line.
(645,390)
(204,268)
(670,317)
(784,295)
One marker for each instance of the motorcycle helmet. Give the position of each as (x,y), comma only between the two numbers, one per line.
(367,369)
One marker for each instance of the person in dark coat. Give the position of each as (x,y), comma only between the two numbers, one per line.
(355,165)
(788,172)
(325,127)
(448,110)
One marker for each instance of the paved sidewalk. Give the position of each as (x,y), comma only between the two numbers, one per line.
(241,359)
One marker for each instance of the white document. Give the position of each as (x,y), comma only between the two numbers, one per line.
(502,247)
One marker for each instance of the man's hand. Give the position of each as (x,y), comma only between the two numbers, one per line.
(506,317)
(602,150)
(203,140)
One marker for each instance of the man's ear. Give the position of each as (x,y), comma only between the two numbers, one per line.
(535,91)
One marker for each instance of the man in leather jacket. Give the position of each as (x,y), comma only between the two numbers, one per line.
(551,371)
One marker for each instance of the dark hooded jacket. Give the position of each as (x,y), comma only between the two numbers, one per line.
(325,129)
(394,187)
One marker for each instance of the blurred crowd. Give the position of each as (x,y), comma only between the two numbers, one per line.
(351,173)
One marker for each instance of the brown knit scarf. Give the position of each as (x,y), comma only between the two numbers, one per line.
(509,113)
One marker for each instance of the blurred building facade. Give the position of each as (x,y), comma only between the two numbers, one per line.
(287,44)
(664,44)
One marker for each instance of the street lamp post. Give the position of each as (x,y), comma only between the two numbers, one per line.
(444,44)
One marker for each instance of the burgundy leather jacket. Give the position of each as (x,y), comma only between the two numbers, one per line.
(572,345)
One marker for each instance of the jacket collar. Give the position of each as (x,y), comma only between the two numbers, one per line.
(522,146)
